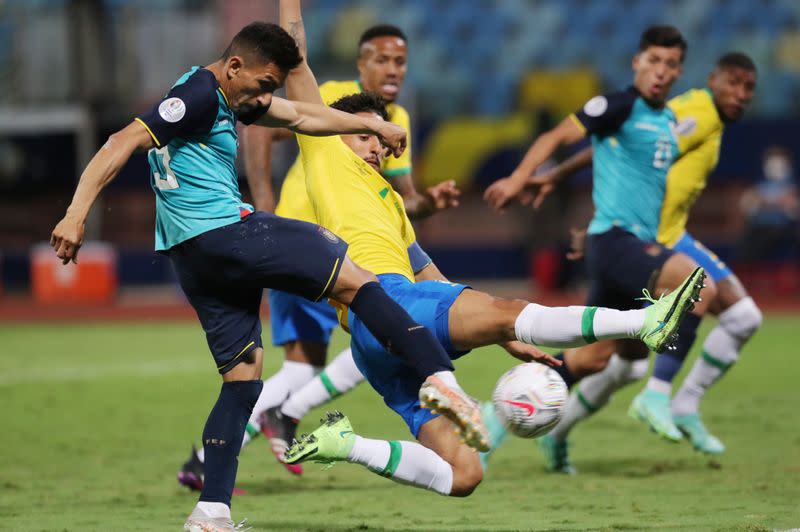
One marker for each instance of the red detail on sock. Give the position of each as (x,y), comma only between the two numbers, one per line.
(527,406)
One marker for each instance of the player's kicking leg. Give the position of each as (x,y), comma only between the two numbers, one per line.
(438,462)
(739,319)
(338,377)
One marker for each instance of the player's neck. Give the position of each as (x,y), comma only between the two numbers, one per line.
(216,69)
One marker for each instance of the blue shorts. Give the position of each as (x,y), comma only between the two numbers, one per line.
(294,318)
(620,264)
(428,303)
(224,271)
(715,268)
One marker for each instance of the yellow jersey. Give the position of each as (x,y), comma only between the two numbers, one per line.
(354,201)
(294,202)
(699,134)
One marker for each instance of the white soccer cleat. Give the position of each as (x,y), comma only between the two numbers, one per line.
(459,408)
(198,521)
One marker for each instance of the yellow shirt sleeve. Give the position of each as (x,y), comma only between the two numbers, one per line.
(686,180)
(395,166)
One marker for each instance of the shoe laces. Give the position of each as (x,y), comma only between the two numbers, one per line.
(649,298)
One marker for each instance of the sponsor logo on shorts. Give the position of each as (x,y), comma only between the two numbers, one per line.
(327,234)
(654,250)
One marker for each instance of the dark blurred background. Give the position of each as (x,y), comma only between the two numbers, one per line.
(484,78)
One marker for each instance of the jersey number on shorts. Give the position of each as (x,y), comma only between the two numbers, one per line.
(168,181)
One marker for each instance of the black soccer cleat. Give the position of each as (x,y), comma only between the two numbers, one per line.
(192,472)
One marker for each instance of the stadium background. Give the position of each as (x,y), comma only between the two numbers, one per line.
(485,77)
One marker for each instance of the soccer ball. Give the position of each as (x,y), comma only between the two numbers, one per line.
(529,399)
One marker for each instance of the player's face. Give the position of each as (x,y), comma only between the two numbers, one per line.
(368,147)
(250,87)
(656,69)
(382,66)
(733,89)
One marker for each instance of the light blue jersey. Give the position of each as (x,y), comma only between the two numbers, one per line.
(634,146)
(193,168)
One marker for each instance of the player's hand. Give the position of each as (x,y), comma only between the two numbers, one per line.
(577,244)
(502,191)
(529,353)
(444,195)
(392,136)
(67,238)
(537,189)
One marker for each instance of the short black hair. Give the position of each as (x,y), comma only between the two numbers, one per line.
(665,36)
(736,59)
(362,102)
(382,30)
(266,42)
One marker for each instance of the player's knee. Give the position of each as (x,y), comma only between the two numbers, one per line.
(466,477)
(742,319)
(249,369)
(350,279)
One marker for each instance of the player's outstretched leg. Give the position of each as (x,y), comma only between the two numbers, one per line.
(652,405)
(394,328)
(737,324)
(440,462)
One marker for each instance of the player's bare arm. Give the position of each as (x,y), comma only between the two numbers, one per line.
(257,146)
(67,236)
(439,197)
(502,191)
(540,186)
(318,120)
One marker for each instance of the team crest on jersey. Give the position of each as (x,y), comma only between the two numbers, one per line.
(685,127)
(172,109)
(596,106)
(327,234)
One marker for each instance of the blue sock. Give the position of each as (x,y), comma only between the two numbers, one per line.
(222,438)
(564,371)
(669,363)
(398,332)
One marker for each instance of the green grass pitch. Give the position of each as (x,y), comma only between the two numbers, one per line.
(96,420)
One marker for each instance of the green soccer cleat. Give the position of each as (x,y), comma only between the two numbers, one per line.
(652,408)
(692,427)
(556,455)
(497,432)
(662,318)
(331,442)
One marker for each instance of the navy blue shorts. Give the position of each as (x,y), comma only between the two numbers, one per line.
(224,271)
(620,264)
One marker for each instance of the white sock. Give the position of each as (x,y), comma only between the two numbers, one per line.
(657,385)
(292,376)
(404,462)
(575,326)
(594,392)
(720,351)
(338,377)
(449,378)
(214,509)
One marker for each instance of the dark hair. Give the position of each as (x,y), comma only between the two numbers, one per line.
(666,36)
(736,59)
(362,102)
(382,30)
(265,42)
